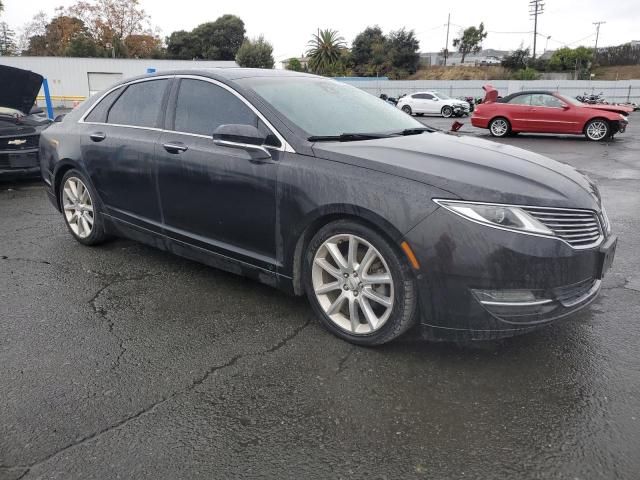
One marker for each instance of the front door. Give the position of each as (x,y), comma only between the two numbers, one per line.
(214,197)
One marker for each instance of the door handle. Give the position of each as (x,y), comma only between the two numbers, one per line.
(98,136)
(175,147)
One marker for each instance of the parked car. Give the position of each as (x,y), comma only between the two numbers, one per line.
(314,186)
(421,103)
(541,111)
(20,123)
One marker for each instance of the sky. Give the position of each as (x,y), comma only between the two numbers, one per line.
(289,24)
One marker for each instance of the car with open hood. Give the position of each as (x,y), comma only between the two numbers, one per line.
(433,103)
(316,187)
(20,123)
(541,111)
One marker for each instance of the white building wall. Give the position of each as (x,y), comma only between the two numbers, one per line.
(69,76)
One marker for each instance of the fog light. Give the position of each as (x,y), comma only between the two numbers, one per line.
(516,306)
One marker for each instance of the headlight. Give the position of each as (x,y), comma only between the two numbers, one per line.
(495,215)
(623,117)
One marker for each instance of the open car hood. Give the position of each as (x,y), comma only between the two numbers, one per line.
(491,94)
(19,88)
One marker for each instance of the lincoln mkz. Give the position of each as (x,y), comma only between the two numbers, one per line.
(318,188)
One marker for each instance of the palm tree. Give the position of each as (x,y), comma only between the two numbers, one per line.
(325,50)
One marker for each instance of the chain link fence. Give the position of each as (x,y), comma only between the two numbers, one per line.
(613,91)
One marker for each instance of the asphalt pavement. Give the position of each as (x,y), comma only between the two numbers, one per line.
(122,361)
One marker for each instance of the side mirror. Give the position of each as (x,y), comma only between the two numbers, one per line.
(565,106)
(245,137)
(59,118)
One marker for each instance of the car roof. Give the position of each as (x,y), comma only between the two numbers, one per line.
(228,74)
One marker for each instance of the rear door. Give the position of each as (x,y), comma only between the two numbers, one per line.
(118,150)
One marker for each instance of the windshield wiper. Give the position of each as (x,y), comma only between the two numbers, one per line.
(347,137)
(417,130)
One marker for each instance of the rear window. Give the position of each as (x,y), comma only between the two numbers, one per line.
(99,112)
(139,105)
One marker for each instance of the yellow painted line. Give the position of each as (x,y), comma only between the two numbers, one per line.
(69,98)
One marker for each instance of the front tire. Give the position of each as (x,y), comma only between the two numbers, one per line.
(499,127)
(80,209)
(358,284)
(597,130)
(406,109)
(447,111)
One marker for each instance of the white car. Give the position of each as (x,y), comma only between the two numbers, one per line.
(433,103)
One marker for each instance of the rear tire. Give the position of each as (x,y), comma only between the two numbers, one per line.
(81,209)
(597,130)
(499,127)
(361,287)
(406,109)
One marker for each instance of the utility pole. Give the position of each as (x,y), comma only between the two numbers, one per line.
(446,45)
(595,50)
(536,7)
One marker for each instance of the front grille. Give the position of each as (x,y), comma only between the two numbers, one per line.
(19,142)
(579,228)
(572,295)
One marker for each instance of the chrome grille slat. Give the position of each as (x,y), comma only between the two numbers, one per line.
(579,228)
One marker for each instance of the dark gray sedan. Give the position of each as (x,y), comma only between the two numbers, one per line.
(316,187)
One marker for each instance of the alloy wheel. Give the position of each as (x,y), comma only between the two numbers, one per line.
(499,127)
(447,112)
(353,284)
(597,130)
(78,207)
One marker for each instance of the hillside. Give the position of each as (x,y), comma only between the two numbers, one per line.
(624,72)
(461,73)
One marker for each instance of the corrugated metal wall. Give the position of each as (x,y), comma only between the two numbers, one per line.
(69,77)
(613,91)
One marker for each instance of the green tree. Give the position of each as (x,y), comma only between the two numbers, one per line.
(403,47)
(517,59)
(470,40)
(294,65)
(7,40)
(182,45)
(219,40)
(566,58)
(369,52)
(83,46)
(256,53)
(325,52)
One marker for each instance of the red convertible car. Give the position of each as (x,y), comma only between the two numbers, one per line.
(547,112)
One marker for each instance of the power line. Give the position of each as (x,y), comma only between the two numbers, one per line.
(536,7)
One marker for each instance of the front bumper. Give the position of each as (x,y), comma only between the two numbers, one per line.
(19,162)
(463,264)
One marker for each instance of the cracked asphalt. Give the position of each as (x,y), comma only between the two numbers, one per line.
(126,362)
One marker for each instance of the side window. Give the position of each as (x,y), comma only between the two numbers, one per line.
(99,112)
(545,100)
(428,96)
(521,100)
(139,105)
(201,107)
(418,96)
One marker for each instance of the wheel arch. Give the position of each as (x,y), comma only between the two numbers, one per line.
(325,215)
(62,167)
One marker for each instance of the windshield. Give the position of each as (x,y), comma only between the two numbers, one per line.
(442,96)
(323,107)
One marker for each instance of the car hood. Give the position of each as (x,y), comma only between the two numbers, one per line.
(19,88)
(471,169)
(610,108)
